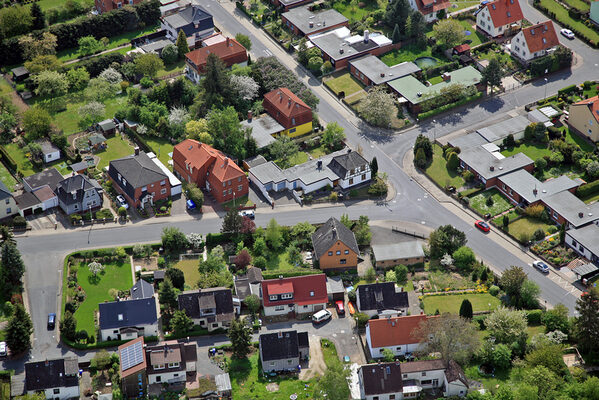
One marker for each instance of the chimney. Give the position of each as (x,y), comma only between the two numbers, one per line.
(421,312)
(136,150)
(228,40)
(280,335)
(366,36)
(580,215)
(280,276)
(226,161)
(319,164)
(492,168)
(535,191)
(324,22)
(348,151)
(250,115)
(340,51)
(382,74)
(311,24)
(289,102)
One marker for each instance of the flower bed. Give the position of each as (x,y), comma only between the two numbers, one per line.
(552,251)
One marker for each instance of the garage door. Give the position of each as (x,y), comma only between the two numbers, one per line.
(27,212)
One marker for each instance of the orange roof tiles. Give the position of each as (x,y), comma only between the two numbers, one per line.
(196,154)
(430,6)
(306,289)
(286,102)
(593,104)
(540,37)
(229,51)
(395,331)
(504,12)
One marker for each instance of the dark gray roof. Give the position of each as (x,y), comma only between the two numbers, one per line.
(345,162)
(379,72)
(329,233)
(138,170)
(141,290)
(574,210)
(26,200)
(301,17)
(159,274)
(48,147)
(302,339)
(96,138)
(81,165)
(186,16)
(586,270)
(50,374)
(338,44)
(243,282)
(255,161)
(4,191)
(49,177)
(381,296)
(156,46)
(588,236)
(223,300)
(395,251)
(19,71)
(531,189)
(503,129)
(472,139)
(77,185)
(489,166)
(107,124)
(262,129)
(121,314)
(279,345)
(381,378)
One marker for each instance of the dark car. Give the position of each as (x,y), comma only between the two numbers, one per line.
(482,225)
(51,321)
(340,307)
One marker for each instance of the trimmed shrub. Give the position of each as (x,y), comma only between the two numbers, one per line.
(534,317)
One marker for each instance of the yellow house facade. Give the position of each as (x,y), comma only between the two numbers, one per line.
(584,118)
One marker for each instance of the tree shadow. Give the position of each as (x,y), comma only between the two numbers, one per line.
(240,368)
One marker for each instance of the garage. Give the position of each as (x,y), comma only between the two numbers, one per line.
(335,289)
(27,202)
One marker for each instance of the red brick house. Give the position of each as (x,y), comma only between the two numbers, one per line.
(210,169)
(288,110)
(229,51)
(487,167)
(108,5)
(139,179)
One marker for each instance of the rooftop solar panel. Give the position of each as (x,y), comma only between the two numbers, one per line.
(132,355)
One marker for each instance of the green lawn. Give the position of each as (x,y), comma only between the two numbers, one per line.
(435,79)
(179,66)
(526,225)
(46,5)
(7,178)
(161,147)
(345,83)
(190,270)
(532,150)
(490,382)
(579,4)
(591,199)
(278,260)
(500,202)
(5,87)
(561,15)
(329,352)
(23,163)
(512,215)
(115,275)
(452,303)
(406,53)
(572,137)
(457,5)
(239,201)
(298,158)
(116,147)
(439,173)
(317,152)
(354,13)
(475,36)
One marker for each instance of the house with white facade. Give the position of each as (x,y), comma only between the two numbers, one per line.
(585,241)
(294,296)
(195,22)
(58,379)
(50,151)
(210,308)
(409,380)
(170,362)
(534,41)
(128,319)
(283,351)
(499,17)
(398,334)
(382,299)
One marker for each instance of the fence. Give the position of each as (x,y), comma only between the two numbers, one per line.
(411,233)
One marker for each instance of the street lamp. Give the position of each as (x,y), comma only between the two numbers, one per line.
(91,220)
(234,200)
(544,98)
(434,130)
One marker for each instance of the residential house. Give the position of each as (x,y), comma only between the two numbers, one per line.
(57,378)
(195,22)
(487,167)
(499,17)
(297,295)
(342,169)
(398,334)
(302,22)
(248,283)
(49,177)
(49,151)
(412,380)
(287,5)
(371,71)
(78,193)
(170,362)
(128,319)
(335,246)
(565,208)
(493,134)
(283,351)
(209,308)
(175,183)
(339,46)
(586,271)
(139,179)
(431,10)
(210,169)
(28,203)
(264,128)
(381,299)
(520,187)
(594,12)
(415,92)
(141,290)
(584,117)
(39,192)
(230,51)
(103,6)
(133,368)
(8,204)
(405,253)
(288,110)
(534,41)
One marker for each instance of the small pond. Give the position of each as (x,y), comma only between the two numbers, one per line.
(425,62)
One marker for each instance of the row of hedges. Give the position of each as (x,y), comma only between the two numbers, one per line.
(434,71)
(143,145)
(102,345)
(446,107)
(565,24)
(10,163)
(274,274)
(195,332)
(95,65)
(588,190)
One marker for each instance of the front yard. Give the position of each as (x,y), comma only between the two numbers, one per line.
(561,15)
(526,226)
(354,11)
(345,83)
(438,171)
(451,303)
(499,205)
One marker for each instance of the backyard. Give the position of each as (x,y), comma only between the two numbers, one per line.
(572,137)
(353,12)
(499,205)
(17,154)
(116,275)
(190,271)
(345,83)
(407,53)
(439,172)
(532,150)
(7,178)
(161,147)
(116,147)
(457,5)
(526,226)
(451,303)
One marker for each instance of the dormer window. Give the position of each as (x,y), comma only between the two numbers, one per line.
(509,14)
(158,366)
(173,365)
(286,296)
(311,294)
(544,41)
(273,297)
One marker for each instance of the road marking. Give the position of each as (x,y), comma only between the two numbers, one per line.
(334,335)
(419,199)
(268,53)
(342,331)
(423,222)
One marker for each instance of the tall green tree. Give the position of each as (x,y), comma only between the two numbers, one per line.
(396,36)
(586,325)
(181,44)
(397,13)
(167,295)
(282,149)
(374,167)
(216,83)
(19,330)
(13,268)
(232,222)
(557,319)
(333,136)
(173,240)
(68,326)
(492,73)
(333,384)
(273,235)
(252,302)
(38,19)
(507,325)
(148,64)
(449,32)
(6,236)
(225,129)
(418,27)
(244,40)
(445,240)
(36,122)
(181,324)
(466,309)
(511,281)
(240,336)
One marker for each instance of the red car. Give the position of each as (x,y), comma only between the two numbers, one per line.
(340,308)
(482,225)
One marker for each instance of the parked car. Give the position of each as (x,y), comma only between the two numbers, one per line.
(248,213)
(3,351)
(340,307)
(122,202)
(321,316)
(51,321)
(308,256)
(567,33)
(541,266)
(482,225)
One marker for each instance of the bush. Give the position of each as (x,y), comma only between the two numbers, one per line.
(468,176)
(260,262)
(588,189)
(524,238)
(540,164)
(534,317)
(494,290)
(489,201)
(146,82)
(567,90)
(534,211)
(539,234)
(19,222)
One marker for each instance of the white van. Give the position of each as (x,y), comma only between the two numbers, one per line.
(321,316)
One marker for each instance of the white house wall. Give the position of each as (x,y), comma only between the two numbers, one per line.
(579,248)
(455,388)
(166,377)
(399,349)
(148,330)
(484,22)
(63,394)
(344,183)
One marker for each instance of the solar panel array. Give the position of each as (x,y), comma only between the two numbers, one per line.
(132,355)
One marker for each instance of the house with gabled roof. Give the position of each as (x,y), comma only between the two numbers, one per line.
(248,283)
(294,296)
(382,299)
(128,319)
(335,246)
(398,334)
(210,169)
(487,166)
(585,241)
(195,22)
(8,204)
(288,110)
(302,21)
(534,41)
(170,362)
(229,51)
(405,253)
(57,378)
(103,6)
(584,117)
(78,193)
(209,308)
(141,290)
(133,365)
(499,17)
(283,351)
(430,9)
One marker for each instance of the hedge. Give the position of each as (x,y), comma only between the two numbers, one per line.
(446,107)
(588,190)
(567,89)
(565,24)
(10,163)
(274,274)
(95,65)
(534,317)
(195,332)
(139,141)
(102,345)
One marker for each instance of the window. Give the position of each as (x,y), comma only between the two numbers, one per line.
(163,191)
(56,391)
(426,382)
(342,261)
(173,365)
(346,252)
(338,252)
(215,325)
(224,184)
(351,181)
(289,362)
(375,398)
(424,374)
(363,177)
(398,348)
(330,253)
(292,130)
(305,306)
(239,188)
(574,243)
(405,376)
(229,182)
(124,182)
(224,192)
(391,397)
(230,191)
(279,308)
(292,121)
(272,364)
(8,200)
(285,296)
(273,297)
(162,182)
(159,366)
(311,294)
(158,378)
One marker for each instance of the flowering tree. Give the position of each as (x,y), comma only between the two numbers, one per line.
(178,116)
(195,240)
(377,107)
(91,113)
(95,267)
(111,75)
(245,86)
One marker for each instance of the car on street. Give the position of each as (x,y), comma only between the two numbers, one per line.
(122,202)
(567,33)
(3,352)
(482,225)
(321,316)
(541,266)
(248,213)
(51,321)
(340,307)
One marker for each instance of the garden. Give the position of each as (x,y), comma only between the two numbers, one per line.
(116,147)
(524,228)
(438,171)
(490,201)
(561,14)
(481,302)
(554,252)
(190,269)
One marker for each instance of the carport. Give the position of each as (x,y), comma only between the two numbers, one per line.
(586,271)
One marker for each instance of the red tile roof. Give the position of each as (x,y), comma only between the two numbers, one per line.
(593,104)
(430,6)
(540,37)
(199,154)
(462,48)
(504,12)
(286,102)
(230,52)
(395,331)
(224,168)
(44,193)
(300,286)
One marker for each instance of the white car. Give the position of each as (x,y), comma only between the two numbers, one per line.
(248,213)
(567,33)
(541,266)
(3,349)
(308,256)
(122,202)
